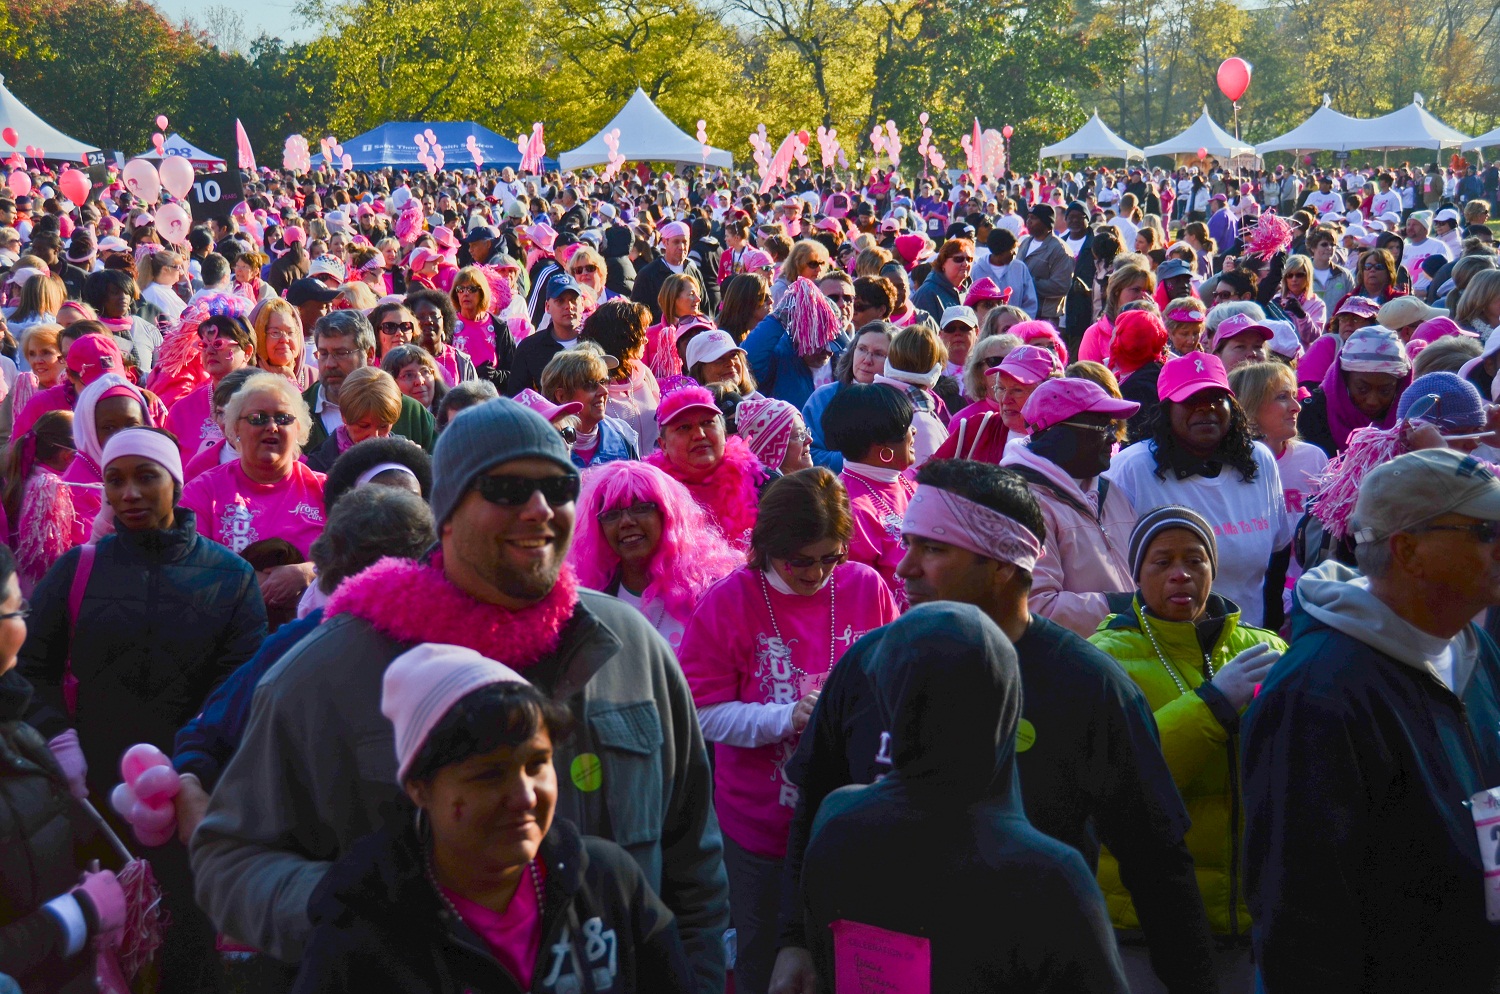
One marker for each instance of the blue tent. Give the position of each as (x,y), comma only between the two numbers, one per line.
(393,144)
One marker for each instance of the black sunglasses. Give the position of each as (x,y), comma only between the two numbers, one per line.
(516,491)
(803,562)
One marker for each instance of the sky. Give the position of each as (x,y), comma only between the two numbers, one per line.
(274,17)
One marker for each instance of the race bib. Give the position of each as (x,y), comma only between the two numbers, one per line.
(871,960)
(1485,807)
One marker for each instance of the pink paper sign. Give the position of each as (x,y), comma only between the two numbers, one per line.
(870,960)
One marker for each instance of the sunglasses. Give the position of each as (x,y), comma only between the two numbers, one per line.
(1096,429)
(1223,294)
(1484,532)
(395,328)
(516,491)
(636,511)
(590,268)
(261,418)
(991,361)
(803,562)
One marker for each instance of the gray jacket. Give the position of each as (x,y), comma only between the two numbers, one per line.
(317,769)
(1051,269)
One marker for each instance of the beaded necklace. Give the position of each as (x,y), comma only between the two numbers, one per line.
(536,883)
(1171,670)
(765,589)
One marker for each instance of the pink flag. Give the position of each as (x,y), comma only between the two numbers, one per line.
(976,153)
(242,140)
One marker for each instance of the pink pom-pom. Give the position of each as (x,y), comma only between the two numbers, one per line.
(122,799)
(1271,235)
(152,818)
(157,785)
(155,837)
(500,292)
(140,758)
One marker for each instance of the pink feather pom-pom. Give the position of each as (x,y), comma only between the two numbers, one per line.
(409,222)
(500,291)
(1271,235)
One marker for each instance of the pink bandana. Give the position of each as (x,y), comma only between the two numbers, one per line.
(945,517)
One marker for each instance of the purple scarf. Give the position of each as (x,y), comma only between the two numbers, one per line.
(1343,416)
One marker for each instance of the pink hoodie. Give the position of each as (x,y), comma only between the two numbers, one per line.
(1085,557)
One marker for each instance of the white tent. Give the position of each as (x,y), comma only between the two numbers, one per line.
(1325,131)
(32,130)
(1205,134)
(646,135)
(175,144)
(1094,141)
(1411,127)
(1484,141)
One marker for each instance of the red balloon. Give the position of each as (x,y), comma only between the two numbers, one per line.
(1203,153)
(1234,77)
(804,136)
(10,136)
(1007,131)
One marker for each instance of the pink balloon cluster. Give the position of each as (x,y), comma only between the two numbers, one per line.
(762,153)
(887,142)
(828,145)
(533,151)
(426,143)
(145,798)
(472,144)
(616,157)
(296,156)
(703,138)
(333,153)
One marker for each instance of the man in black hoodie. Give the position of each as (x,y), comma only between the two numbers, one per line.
(1090,759)
(992,903)
(620,276)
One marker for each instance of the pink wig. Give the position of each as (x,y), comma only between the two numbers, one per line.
(1034,332)
(691,556)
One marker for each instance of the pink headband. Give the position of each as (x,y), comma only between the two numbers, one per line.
(1185,315)
(945,517)
(145,444)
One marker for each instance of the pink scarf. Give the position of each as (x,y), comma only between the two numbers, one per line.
(730,494)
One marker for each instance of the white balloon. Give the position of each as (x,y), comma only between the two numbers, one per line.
(176,175)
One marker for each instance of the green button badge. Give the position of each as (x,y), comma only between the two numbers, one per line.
(587,772)
(1025,735)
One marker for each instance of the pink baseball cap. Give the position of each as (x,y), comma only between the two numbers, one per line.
(1363,306)
(91,356)
(694,400)
(1239,324)
(421,256)
(1185,375)
(530,398)
(1029,364)
(1058,400)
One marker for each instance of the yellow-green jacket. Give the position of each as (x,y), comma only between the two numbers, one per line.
(1200,750)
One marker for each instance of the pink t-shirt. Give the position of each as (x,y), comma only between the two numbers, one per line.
(191,420)
(475,339)
(236,511)
(206,459)
(731,652)
(875,512)
(513,935)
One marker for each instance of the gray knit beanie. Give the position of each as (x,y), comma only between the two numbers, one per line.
(1163,519)
(482,437)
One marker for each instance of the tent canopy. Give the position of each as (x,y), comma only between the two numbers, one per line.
(175,144)
(1411,127)
(394,144)
(1095,141)
(1203,133)
(646,135)
(1483,141)
(32,130)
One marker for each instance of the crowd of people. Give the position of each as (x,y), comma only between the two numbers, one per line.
(1069,581)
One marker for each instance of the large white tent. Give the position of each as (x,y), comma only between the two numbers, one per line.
(646,135)
(1094,141)
(175,144)
(1411,127)
(32,130)
(1204,133)
(1486,140)
(1325,131)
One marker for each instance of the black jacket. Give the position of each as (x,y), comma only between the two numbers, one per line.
(648,284)
(531,357)
(948,823)
(1080,305)
(1093,772)
(620,275)
(381,925)
(704,254)
(45,841)
(166,616)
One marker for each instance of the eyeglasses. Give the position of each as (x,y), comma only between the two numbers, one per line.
(216,344)
(803,562)
(804,436)
(280,336)
(1484,532)
(962,260)
(397,328)
(262,418)
(1097,429)
(340,354)
(1373,267)
(516,491)
(1223,294)
(19,614)
(635,512)
(838,298)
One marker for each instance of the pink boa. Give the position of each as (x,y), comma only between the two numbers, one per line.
(730,494)
(432,609)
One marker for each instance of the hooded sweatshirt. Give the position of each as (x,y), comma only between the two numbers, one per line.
(948,693)
(1363,731)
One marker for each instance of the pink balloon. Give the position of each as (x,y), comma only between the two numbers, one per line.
(160,837)
(122,799)
(161,121)
(10,136)
(348,161)
(158,141)
(176,175)
(1007,131)
(19,183)
(151,819)
(1203,153)
(141,757)
(157,784)
(75,185)
(1234,77)
(142,180)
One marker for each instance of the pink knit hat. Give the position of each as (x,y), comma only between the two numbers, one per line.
(421,685)
(766,426)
